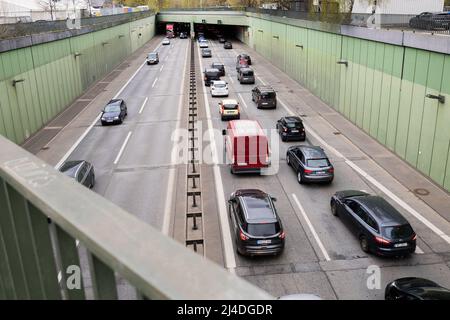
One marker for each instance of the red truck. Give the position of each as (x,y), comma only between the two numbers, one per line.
(246,146)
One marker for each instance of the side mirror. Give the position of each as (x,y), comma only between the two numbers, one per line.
(273,199)
(224,132)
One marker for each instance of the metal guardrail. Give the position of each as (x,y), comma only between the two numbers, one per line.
(14,30)
(236,8)
(32,252)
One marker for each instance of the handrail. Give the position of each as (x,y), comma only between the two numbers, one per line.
(158,266)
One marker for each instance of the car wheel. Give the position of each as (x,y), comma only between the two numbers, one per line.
(148,63)
(333,208)
(299,177)
(283,139)
(364,244)
(231,170)
(288,160)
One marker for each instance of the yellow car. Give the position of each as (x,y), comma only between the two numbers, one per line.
(229,109)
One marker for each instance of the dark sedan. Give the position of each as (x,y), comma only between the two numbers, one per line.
(412,288)
(431,21)
(291,128)
(310,163)
(379,227)
(227,45)
(114,112)
(80,170)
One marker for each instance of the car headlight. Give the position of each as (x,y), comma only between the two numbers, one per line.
(116,118)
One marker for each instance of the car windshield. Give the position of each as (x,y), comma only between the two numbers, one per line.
(220,85)
(318,163)
(152,55)
(112,108)
(398,232)
(263,229)
(230,106)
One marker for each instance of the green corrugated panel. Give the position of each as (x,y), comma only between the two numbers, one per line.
(371,46)
(417,105)
(354,66)
(361,87)
(386,89)
(343,75)
(440,164)
(431,108)
(394,102)
(376,93)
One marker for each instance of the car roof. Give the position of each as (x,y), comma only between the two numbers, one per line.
(312,152)
(70,168)
(206,49)
(246,128)
(257,205)
(217,64)
(229,101)
(212,70)
(265,88)
(246,69)
(292,119)
(381,210)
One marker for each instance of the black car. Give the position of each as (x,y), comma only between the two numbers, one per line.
(264,97)
(220,66)
(246,75)
(255,223)
(291,128)
(245,57)
(80,170)
(152,58)
(114,112)
(222,40)
(210,75)
(380,228)
(310,163)
(183,35)
(431,21)
(412,288)
(227,45)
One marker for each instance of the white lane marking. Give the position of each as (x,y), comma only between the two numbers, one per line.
(231,79)
(259,78)
(311,228)
(418,250)
(243,101)
(373,181)
(85,133)
(171,180)
(77,242)
(122,148)
(154,82)
(162,67)
(230,260)
(59,276)
(143,105)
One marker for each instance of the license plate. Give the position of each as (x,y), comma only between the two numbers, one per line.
(320,172)
(230,112)
(294,131)
(265,103)
(263,241)
(109,120)
(399,245)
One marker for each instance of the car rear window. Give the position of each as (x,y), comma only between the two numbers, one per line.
(220,85)
(263,229)
(268,95)
(398,232)
(230,106)
(247,73)
(318,163)
(293,124)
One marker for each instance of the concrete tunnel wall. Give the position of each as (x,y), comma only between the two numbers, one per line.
(54,77)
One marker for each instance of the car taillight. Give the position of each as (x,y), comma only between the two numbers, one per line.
(284,129)
(382,240)
(243,236)
(414,238)
(282,235)
(331,170)
(221,109)
(308,171)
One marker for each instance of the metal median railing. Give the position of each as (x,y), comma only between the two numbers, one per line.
(39,260)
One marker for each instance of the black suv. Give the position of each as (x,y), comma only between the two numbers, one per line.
(291,128)
(210,75)
(255,223)
(380,228)
(310,163)
(264,96)
(227,45)
(80,170)
(220,66)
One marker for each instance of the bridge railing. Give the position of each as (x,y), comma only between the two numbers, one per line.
(44,215)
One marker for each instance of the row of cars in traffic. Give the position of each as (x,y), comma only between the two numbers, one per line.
(379,227)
